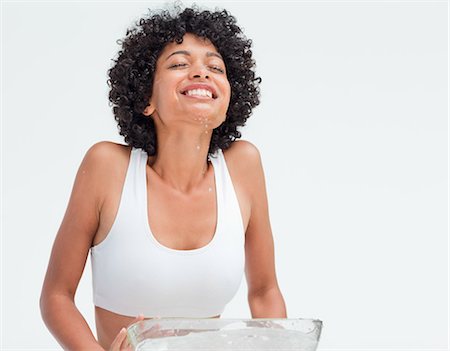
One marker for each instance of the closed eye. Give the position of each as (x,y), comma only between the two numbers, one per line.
(184,64)
(178,65)
(218,69)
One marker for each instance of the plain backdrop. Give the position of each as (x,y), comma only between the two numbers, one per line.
(353,134)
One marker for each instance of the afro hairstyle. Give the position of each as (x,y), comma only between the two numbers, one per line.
(131,76)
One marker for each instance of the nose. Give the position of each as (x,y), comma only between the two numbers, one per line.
(198,71)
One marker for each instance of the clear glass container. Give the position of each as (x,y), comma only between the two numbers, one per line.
(216,334)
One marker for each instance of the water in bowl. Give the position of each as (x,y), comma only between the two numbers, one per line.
(232,339)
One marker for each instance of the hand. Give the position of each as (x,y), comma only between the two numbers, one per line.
(121,343)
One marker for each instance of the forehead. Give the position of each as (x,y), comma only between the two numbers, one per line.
(191,42)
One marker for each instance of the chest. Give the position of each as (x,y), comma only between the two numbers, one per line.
(178,222)
(189,222)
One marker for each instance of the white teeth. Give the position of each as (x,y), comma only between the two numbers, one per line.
(199,92)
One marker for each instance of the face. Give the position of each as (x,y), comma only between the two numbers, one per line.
(190,85)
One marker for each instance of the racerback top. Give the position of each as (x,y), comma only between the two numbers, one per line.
(133,273)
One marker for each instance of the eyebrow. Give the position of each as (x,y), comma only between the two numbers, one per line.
(184,52)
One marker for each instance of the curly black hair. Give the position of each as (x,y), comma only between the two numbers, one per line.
(131,77)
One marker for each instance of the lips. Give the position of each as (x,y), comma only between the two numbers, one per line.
(198,97)
(199,86)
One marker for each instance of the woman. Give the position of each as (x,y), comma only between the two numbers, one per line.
(174,218)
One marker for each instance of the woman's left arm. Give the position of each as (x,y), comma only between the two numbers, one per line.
(264,296)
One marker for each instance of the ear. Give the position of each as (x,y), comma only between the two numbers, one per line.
(149,110)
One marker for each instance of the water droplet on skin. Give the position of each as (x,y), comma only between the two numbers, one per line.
(198,147)
(209,189)
(202,119)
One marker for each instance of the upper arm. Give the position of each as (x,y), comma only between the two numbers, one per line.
(259,245)
(79,224)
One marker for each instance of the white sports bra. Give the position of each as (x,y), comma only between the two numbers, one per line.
(133,273)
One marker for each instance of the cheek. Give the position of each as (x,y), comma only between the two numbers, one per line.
(163,93)
(228,95)
(226,88)
(229,89)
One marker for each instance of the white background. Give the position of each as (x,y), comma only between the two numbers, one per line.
(353,133)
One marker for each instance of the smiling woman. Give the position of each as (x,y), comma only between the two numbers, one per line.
(174,218)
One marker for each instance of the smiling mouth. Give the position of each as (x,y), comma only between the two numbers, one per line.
(202,97)
(185,93)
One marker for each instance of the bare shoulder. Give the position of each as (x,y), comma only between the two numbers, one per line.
(242,155)
(104,162)
(243,146)
(106,157)
(244,163)
(106,151)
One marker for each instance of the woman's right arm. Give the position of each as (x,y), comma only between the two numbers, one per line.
(70,251)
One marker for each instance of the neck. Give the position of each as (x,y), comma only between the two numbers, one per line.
(181,158)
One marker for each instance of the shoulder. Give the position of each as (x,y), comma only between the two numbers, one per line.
(244,160)
(106,151)
(245,166)
(106,157)
(103,163)
(242,153)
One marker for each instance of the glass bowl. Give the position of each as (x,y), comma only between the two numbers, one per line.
(182,334)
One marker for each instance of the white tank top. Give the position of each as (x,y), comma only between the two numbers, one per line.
(133,273)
